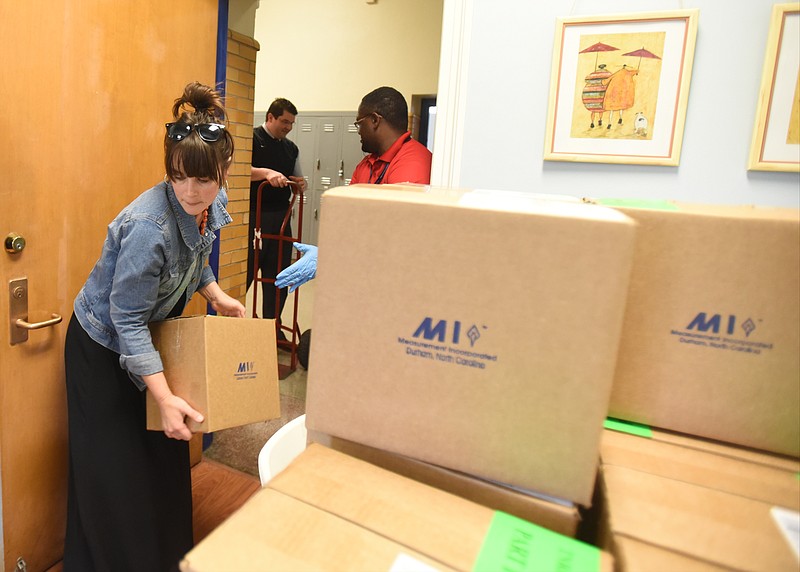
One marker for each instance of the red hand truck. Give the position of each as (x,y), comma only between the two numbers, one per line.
(290,343)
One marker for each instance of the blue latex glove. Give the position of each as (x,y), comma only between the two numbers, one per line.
(301,271)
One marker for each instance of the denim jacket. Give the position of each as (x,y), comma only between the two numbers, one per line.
(152,253)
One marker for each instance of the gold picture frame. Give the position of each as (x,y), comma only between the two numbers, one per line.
(776,136)
(619,87)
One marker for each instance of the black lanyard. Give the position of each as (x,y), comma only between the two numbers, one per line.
(380,177)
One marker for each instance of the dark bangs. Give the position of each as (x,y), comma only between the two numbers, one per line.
(193,157)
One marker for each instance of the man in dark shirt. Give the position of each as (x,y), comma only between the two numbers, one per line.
(275,159)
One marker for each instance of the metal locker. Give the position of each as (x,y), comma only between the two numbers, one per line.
(330,148)
(304,136)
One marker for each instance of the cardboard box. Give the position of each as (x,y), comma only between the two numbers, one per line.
(728,474)
(226,368)
(553,514)
(710,341)
(704,524)
(334,512)
(469,332)
(635,556)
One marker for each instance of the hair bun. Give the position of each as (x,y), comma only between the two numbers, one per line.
(205,101)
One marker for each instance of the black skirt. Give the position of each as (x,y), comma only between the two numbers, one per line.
(129,504)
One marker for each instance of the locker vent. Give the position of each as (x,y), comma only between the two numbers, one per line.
(328,127)
(305,127)
(325,181)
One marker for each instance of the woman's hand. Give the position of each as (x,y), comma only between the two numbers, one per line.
(222,303)
(228,306)
(174,411)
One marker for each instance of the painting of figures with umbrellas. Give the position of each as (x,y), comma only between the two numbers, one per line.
(619,87)
(619,94)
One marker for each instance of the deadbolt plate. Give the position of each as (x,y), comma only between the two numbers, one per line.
(18,309)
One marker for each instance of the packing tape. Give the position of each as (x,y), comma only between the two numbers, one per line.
(653,204)
(515,544)
(628,427)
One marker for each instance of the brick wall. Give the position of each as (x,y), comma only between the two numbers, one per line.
(239,98)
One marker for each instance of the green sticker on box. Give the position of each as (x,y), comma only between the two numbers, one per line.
(639,204)
(628,427)
(516,545)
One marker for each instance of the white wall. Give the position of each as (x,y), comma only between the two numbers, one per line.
(325,55)
(242,16)
(508,56)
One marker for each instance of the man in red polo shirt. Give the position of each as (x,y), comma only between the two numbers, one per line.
(394,157)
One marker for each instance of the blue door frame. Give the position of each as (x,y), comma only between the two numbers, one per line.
(219,79)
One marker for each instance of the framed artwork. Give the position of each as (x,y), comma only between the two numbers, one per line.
(619,87)
(776,136)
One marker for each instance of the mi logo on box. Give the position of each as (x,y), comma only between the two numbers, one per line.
(246,366)
(246,370)
(703,323)
(439,332)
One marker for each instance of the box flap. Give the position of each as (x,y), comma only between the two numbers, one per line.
(389,504)
(273,531)
(751,480)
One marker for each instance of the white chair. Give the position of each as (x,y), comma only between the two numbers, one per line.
(287,442)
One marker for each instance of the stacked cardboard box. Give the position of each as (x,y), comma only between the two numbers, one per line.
(709,349)
(330,511)
(690,504)
(469,340)
(469,337)
(711,339)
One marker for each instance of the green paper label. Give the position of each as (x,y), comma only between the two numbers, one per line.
(628,427)
(516,545)
(639,204)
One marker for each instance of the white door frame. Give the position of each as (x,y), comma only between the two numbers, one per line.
(452,93)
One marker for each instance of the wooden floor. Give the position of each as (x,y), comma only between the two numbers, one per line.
(217,492)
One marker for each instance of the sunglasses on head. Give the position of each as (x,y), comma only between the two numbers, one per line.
(208,132)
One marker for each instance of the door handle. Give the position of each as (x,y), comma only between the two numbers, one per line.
(55,319)
(18,312)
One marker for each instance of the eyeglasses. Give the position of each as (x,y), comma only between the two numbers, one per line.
(208,132)
(358,121)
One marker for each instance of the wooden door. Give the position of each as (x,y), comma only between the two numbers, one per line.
(88,86)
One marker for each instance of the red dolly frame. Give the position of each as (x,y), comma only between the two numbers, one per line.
(290,343)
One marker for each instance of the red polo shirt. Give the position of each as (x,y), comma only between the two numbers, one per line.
(406,161)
